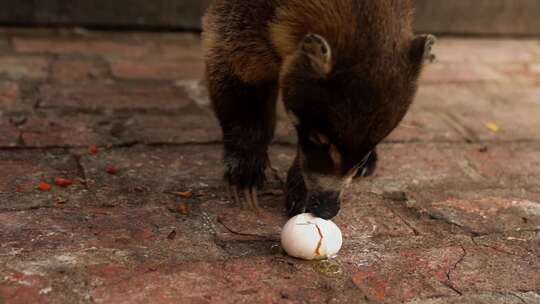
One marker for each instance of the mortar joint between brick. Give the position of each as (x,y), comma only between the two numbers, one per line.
(402,219)
(449,282)
(81,169)
(518,297)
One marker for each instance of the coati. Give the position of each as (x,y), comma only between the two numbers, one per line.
(347,72)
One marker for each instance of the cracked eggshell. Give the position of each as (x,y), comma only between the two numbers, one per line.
(301,237)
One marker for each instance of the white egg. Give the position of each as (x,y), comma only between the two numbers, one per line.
(311,238)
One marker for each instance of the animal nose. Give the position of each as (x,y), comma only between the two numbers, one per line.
(325,205)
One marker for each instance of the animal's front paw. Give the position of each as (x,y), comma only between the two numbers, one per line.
(296,194)
(244,174)
(295,201)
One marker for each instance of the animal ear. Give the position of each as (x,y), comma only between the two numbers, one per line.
(318,53)
(420,51)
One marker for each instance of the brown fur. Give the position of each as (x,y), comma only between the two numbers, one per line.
(236,31)
(347,70)
(341,22)
(256,36)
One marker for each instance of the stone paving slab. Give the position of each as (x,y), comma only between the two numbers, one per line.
(493,298)
(24,171)
(469,110)
(9,94)
(24,67)
(452,214)
(10,135)
(77,70)
(158,69)
(134,216)
(51,130)
(109,96)
(485,60)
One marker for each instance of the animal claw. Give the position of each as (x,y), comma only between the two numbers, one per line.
(250,195)
(250,200)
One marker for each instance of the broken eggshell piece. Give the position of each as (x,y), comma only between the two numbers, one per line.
(311,238)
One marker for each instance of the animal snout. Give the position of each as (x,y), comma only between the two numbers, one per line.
(325,205)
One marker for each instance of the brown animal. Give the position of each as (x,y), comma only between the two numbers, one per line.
(347,71)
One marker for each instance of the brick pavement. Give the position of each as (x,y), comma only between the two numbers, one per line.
(451,216)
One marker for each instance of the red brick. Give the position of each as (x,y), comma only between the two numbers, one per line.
(27,169)
(416,166)
(242,224)
(478,209)
(50,232)
(21,227)
(489,214)
(377,219)
(190,49)
(485,269)
(92,46)
(9,95)
(421,124)
(109,240)
(158,69)
(439,73)
(83,130)
(520,73)
(9,134)
(405,167)
(113,96)
(156,169)
(72,131)
(192,127)
(421,167)
(408,274)
(534,68)
(513,109)
(24,67)
(509,164)
(486,298)
(28,31)
(131,229)
(17,287)
(189,128)
(512,165)
(165,170)
(517,243)
(255,280)
(106,271)
(478,51)
(4,44)
(76,70)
